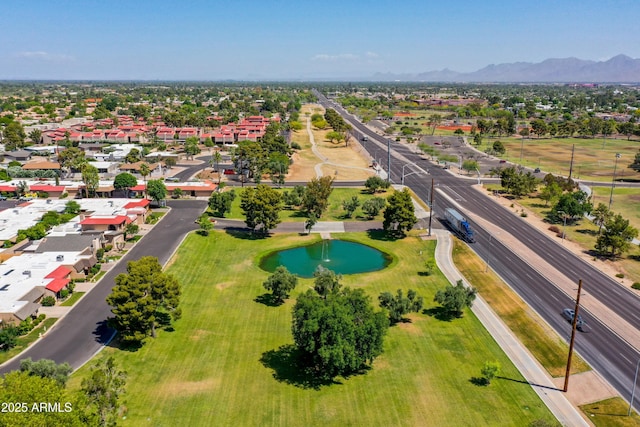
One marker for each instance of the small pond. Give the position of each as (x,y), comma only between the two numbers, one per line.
(340,256)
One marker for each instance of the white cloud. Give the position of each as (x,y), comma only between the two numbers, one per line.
(45,56)
(339,57)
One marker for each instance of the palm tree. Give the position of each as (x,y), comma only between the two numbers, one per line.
(145,171)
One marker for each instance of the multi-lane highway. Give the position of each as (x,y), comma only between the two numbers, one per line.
(609,354)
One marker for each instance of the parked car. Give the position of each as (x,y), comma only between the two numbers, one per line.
(568,314)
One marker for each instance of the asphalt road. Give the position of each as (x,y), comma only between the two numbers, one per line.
(83,331)
(610,355)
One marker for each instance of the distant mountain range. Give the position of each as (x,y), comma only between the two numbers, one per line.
(619,69)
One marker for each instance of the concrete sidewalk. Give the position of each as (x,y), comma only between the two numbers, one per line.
(528,366)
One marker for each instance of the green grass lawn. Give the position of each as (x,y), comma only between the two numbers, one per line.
(591,160)
(26,340)
(335,212)
(72,299)
(208,371)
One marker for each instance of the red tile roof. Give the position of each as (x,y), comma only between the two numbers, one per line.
(59,273)
(46,187)
(138,204)
(57,284)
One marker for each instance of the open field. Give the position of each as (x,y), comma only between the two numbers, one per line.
(348,161)
(335,212)
(591,160)
(541,340)
(214,369)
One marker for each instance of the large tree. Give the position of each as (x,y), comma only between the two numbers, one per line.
(340,334)
(399,305)
(399,216)
(14,136)
(46,368)
(635,165)
(220,203)
(141,298)
(280,284)
(616,237)
(91,179)
(571,206)
(103,388)
(156,190)
(261,206)
(191,147)
(124,181)
(375,184)
(26,392)
(601,214)
(316,196)
(454,298)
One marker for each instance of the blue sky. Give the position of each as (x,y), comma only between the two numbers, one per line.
(277,39)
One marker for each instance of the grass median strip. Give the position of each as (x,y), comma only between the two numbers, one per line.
(541,340)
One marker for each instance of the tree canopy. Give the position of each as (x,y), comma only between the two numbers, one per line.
(454,298)
(142,299)
(261,207)
(157,190)
(339,334)
(280,284)
(616,236)
(399,216)
(124,181)
(316,196)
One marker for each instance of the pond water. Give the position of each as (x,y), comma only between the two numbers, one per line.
(340,256)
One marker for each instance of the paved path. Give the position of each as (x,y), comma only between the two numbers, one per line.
(325,160)
(528,366)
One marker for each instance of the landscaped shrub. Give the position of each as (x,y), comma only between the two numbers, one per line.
(48,301)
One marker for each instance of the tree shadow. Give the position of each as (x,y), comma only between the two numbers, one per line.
(383,236)
(289,367)
(269,300)
(298,214)
(424,274)
(479,381)
(440,313)
(245,234)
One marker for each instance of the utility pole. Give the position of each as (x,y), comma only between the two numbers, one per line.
(573,149)
(573,336)
(388,160)
(431,206)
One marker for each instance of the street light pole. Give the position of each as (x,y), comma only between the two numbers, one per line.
(613,181)
(633,390)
